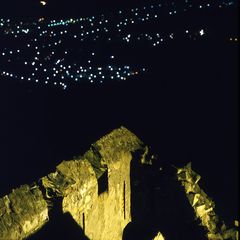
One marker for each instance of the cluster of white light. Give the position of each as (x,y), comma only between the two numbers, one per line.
(233,39)
(48,49)
(156,38)
(51,66)
(32,79)
(16,28)
(139,14)
(93,25)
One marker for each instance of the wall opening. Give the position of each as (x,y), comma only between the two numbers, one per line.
(103,183)
(83,222)
(124,200)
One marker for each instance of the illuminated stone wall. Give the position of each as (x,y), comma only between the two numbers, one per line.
(109,212)
(96,187)
(22,212)
(95,190)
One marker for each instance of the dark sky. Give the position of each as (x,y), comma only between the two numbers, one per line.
(61,8)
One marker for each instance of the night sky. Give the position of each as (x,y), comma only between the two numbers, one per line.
(175,88)
(63,8)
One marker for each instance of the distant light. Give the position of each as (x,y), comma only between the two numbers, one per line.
(201,32)
(43,3)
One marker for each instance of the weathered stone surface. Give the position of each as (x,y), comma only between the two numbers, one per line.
(111,146)
(102,215)
(68,175)
(22,212)
(203,206)
(107,214)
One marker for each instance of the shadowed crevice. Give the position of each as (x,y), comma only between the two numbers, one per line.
(158,203)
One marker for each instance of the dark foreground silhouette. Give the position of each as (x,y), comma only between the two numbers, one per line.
(61,226)
(158,203)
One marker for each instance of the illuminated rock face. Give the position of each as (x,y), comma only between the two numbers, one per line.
(204,206)
(159,237)
(95,190)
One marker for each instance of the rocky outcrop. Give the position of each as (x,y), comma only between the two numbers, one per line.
(159,236)
(204,206)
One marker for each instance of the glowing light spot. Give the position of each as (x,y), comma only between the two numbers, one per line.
(201,32)
(43,3)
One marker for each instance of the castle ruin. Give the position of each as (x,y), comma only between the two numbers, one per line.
(95,190)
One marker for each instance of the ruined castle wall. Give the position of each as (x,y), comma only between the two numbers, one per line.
(80,197)
(95,190)
(102,216)
(110,211)
(22,213)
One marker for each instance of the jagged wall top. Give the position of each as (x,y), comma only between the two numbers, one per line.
(118,140)
(104,151)
(108,149)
